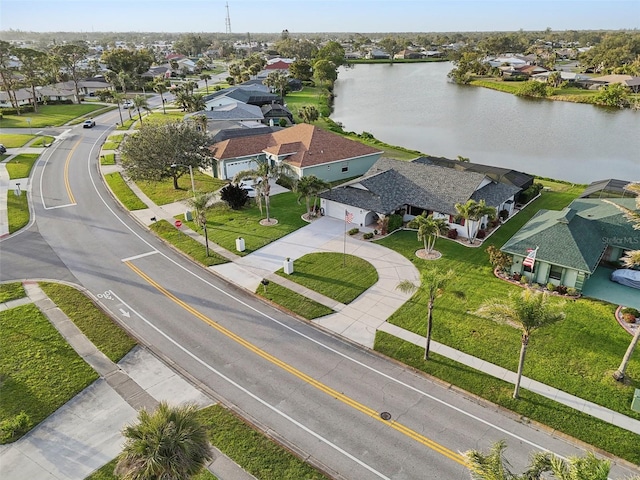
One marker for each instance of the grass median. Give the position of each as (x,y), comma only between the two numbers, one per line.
(20,166)
(11,291)
(17,210)
(186,244)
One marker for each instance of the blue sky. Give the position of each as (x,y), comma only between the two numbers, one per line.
(364,16)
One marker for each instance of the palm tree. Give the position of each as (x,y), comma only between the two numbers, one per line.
(308,113)
(473,211)
(118,97)
(168,443)
(260,176)
(528,312)
(206,77)
(196,102)
(140,102)
(200,203)
(308,187)
(160,87)
(493,466)
(434,282)
(429,229)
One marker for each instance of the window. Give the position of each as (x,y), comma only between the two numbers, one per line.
(345,168)
(555,273)
(457,220)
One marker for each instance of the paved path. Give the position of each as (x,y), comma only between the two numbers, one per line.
(84,434)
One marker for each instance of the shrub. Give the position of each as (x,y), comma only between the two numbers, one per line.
(503,214)
(15,427)
(353,231)
(629,317)
(516,277)
(551,287)
(481,234)
(395,222)
(367,236)
(572,291)
(535,286)
(383,224)
(452,234)
(375,232)
(498,258)
(530,193)
(285,181)
(630,311)
(561,289)
(235,196)
(524,280)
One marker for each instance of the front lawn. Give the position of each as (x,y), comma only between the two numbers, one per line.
(225,225)
(162,192)
(577,355)
(292,301)
(15,140)
(40,370)
(186,244)
(334,275)
(42,141)
(20,166)
(49,116)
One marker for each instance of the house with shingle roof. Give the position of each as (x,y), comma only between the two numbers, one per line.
(574,241)
(251,94)
(307,149)
(410,188)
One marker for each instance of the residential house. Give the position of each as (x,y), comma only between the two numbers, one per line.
(573,242)
(410,188)
(306,149)
(609,188)
(22,96)
(237,112)
(255,94)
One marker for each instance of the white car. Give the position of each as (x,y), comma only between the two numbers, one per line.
(127,104)
(88,124)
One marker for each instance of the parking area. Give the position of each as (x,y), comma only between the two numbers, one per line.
(601,287)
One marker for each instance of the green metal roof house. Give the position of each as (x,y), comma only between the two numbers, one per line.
(573,242)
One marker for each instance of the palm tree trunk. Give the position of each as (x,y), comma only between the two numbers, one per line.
(523,352)
(619,374)
(266,206)
(429,326)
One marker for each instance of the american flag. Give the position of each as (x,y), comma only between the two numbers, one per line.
(530,259)
(348,216)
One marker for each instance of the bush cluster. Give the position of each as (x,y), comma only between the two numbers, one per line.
(395,222)
(452,234)
(530,193)
(368,236)
(353,231)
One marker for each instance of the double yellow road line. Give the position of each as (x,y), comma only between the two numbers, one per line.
(303,376)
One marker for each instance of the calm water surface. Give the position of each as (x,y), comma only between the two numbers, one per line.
(413,105)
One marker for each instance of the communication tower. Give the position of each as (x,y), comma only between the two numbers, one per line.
(227,21)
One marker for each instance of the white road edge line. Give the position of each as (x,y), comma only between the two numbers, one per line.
(252,395)
(317,342)
(142,255)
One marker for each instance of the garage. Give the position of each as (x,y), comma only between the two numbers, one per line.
(232,168)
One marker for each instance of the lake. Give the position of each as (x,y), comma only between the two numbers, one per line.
(414,106)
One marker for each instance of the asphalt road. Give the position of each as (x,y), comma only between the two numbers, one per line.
(318,394)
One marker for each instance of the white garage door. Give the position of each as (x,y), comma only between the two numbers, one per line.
(234,167)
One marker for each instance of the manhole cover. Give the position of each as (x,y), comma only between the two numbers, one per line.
(385,416)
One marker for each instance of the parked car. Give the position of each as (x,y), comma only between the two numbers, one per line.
(88,124)
(127,104)
(3,149)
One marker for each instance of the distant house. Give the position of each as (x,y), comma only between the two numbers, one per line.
(410,188)
(22,96)
(572,242)
(609,188)
(255,94)
(279,65)
(230,112)
(308,150)
(275,112)
(408,54)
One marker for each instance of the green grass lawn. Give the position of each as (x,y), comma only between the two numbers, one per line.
(249,448)
(186,244)
(170,116)
(11,291)
(162,192)
(292,301)
(577,355)
(15,140)
(334,275)
(40,370)
(113,142)
(42,141)
(123,192)
(20,166)
(108,159)
(103,332)
(17,211)
(49,116)
(225,225)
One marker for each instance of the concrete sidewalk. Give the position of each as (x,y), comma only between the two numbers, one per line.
(84,434)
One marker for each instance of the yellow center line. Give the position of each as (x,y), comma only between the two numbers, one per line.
(66,173)
(302,376)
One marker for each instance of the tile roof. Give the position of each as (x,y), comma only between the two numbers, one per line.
(577,236)
(391,184)
(306,145)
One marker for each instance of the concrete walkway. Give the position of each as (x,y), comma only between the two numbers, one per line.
(84,434)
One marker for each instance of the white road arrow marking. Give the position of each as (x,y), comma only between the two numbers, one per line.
(125,313)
